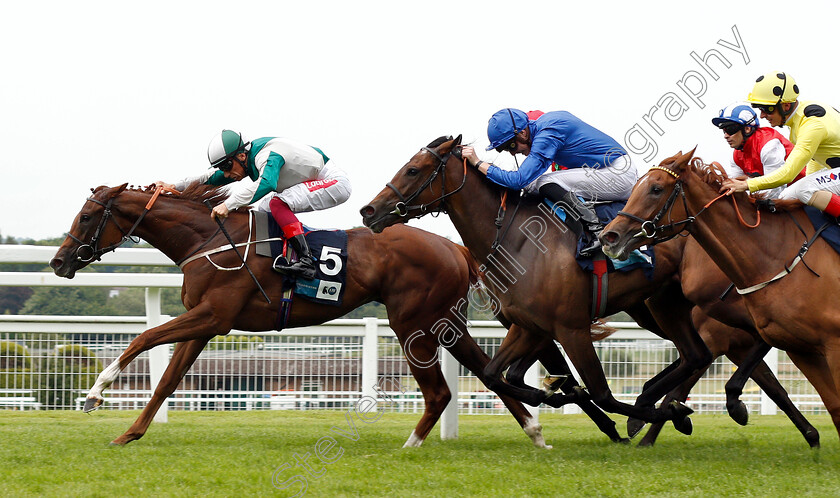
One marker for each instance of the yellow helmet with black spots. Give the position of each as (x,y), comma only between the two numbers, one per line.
(773,89)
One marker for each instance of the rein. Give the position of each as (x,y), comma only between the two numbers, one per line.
(89,251)
(651,230)
(403,207)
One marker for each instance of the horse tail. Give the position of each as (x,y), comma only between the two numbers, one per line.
(599,330)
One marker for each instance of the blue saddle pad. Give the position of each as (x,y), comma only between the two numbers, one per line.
(639,259)
(832,233)
(329,248)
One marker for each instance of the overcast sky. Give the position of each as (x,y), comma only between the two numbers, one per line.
(102,93)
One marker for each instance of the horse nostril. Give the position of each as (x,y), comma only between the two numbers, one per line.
(609,237)
(55,263)
(367,211)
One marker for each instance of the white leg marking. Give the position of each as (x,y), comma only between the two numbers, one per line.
(413,441)
(534,431)
(105,379)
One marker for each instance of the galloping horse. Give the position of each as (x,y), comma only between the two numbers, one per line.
(784,298)
(420,277)
(544,289)
(677,262)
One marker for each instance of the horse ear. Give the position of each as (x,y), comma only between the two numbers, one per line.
(458,140)
(117,190)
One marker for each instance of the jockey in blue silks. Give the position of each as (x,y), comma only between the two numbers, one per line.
(566,158)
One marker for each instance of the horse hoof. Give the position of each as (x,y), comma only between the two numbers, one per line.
(552,384)
(738,412)
(813,438)
(645,443)
(92,404)
(634,425)
(115,444)
(679,410)
(684,425)
(622,440)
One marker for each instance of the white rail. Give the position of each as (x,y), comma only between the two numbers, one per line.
(371,338)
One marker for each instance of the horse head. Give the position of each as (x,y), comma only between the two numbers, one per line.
(90,235)
(417,189)
(651,213)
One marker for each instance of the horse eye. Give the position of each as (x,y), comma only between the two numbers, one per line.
(656,189)
(85,217)
(412,172)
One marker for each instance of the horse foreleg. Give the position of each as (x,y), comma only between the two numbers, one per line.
(763,376)
(518,343)
(824,374)
(197,323)
(182,359)
(735,385)
(679,394)
(552,359)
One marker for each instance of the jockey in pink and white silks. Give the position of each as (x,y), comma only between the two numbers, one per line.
(281,176)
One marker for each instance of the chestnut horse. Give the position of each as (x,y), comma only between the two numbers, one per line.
(420,277)
(785,299)
(531,272)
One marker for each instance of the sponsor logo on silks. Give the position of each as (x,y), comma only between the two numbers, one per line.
(329,290)
(826,178)
(319,184)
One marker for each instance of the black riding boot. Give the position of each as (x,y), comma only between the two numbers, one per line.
(587,217)
(304,267)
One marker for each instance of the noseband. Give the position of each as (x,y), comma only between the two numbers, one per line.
(650,229)
(404,206)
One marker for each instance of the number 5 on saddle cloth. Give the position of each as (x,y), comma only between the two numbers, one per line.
(329,247)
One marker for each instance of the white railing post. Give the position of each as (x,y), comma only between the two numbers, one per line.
(370,358)
(159,355)
(571,408)
(768,407)
(532,378)
(449,418)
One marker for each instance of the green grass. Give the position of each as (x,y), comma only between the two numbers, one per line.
(236,453)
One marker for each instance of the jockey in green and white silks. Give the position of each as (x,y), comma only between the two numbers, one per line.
(279,175)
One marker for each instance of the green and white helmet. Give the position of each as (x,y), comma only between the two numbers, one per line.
(224,146)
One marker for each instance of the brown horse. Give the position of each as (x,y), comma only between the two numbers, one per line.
(731,333)
(784,300)
(532,273)
(420,277)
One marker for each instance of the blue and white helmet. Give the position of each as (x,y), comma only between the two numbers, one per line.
(739,113)
(504,125)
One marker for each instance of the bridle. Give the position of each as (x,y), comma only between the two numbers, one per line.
(90,251)
(650,229)
(403,207)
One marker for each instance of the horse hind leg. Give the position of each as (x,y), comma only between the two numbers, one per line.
(182,359)
(469,354)
(422,361)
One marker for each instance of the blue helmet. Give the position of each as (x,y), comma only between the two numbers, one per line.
(504,125)
(739,113)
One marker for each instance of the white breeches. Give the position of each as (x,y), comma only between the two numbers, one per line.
(612,183)
(330,189)
(826,179)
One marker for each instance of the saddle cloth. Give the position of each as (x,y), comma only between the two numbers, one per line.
(639,258)
(328,247)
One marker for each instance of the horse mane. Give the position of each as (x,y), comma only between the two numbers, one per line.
(439,141)
(713,175)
